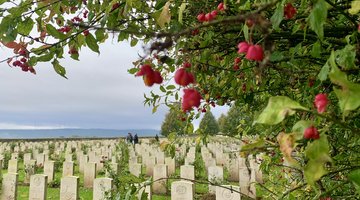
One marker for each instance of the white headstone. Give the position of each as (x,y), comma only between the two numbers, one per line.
(38,187)
(182,190)
(49,170)
(135,169)
(13,166)
(69,188)
(187,172)
(159,184)
(9,186)
(215,176)
(170,162)
(68,168)
(102,188)
(89,174)
(228,192)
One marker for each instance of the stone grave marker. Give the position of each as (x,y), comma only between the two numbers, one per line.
(135,169)
(29,170)
(216,176)
(160,171)
(9,186)
(69,188)
(187,172)
(182,190)
(13,166)
(150,163)
(228,192)
(38,187)
(49,170)
(89,174)
(102,188)
(170,162)
(234,170)
(68,168)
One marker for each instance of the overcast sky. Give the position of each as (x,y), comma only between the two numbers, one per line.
(99,93)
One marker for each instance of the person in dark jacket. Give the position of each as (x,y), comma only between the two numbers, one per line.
(129,138)
(136,139)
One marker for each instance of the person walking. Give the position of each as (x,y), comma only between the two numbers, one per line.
(136,139)
(129,138)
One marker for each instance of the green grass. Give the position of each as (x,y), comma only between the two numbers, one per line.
(53,193)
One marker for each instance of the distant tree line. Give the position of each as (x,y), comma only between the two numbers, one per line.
(232,123)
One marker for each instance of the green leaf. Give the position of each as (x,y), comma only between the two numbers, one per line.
(133,42)
(349,94)
(253,146)
(276,56)
(278,16)
(181,11)
(346,57)
(133,70)
(100,35)
(246,32)
(355,7)
(170,87)
(318,154)
(92,43)
(164,16)
(318,17)
(316,50)
(162,88)
(25,26)
(59,69)
(355,176)
(155,109)
(322,76)
(51,30)
(45,58)
(299,128)
(277,109)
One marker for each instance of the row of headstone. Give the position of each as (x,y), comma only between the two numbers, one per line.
(69,187)
(185,190)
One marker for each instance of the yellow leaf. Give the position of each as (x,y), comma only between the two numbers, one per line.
(287,145)
(163,145)
(181,10)
(355,7)
(164,16)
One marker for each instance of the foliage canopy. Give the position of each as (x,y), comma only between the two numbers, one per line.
(292,52)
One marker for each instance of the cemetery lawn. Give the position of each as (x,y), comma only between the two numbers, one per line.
(53,193)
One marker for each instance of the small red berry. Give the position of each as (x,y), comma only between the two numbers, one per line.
(249,23)
(237,60)
(321,102)
(201,17)
(186,65)
(22,52)
(23,60)
(86,32)
(255,52)
(208,17)
(289,11)
(311,133)
(244,87)
(236,67)
(191,98)
(195,32)
(213,14)
(220,7)
(115,6)
(243,47)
